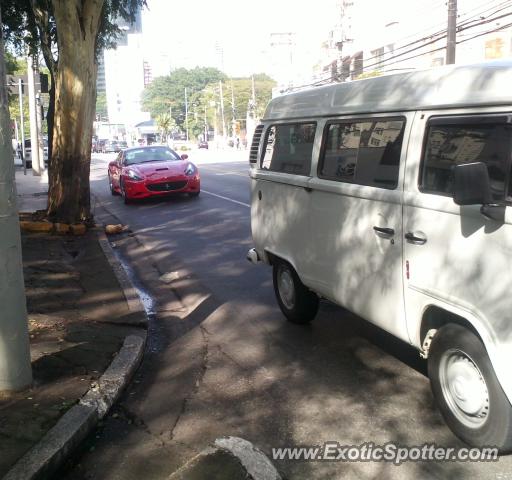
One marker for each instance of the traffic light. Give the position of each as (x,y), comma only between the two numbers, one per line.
(43,80)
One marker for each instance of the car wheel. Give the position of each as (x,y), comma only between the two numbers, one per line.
(467,390)
(296,301)
(111,185)
(194,194)
(126,199)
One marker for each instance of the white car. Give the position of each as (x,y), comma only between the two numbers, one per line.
(28,152)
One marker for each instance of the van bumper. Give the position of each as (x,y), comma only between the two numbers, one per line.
(253,256)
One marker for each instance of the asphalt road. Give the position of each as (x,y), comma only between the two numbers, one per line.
(223,361)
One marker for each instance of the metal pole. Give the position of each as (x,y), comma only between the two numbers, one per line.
(22,125)
(34,139)
(233,114)
(451,32)
(222,112)
(186,112)
(205,126)
(253,92)
(15,367)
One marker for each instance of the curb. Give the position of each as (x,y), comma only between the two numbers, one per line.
(228,454)
(130,293)
(79,421)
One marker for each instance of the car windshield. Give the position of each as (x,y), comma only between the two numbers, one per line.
(156,154)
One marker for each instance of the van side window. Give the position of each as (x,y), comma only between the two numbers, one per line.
(288,148)
(453,144)
(367,152)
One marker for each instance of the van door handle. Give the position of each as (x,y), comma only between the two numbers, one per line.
(384,231)
(308,189)
(410,237)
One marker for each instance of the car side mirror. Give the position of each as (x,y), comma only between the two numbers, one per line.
(471,184)
(184,156)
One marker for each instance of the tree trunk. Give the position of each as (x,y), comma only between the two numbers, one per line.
(77,22)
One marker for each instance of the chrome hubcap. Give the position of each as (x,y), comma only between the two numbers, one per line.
(286,287)
(464,388)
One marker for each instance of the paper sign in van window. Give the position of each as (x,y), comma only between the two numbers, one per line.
(450,145)
(288,148)
(367,153)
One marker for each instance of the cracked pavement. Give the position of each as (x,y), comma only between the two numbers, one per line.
(222,361)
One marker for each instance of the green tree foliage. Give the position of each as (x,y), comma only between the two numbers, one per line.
(167,94)
(164,123)
(101,106)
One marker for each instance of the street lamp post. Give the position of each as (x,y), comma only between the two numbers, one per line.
(15,367)
(186,113)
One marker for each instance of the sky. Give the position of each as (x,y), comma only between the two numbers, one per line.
(188,31)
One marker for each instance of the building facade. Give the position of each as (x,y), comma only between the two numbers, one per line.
(373,38)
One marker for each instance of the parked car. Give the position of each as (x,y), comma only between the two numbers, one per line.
(152,171)
(202,144)
(399,208)
(28,152)
(110,146)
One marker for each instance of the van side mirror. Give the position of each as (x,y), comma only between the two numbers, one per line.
(471,184)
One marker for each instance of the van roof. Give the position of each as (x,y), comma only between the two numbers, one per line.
(451,86)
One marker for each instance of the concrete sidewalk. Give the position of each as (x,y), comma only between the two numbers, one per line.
(32,190)
(86,340)
(80,313)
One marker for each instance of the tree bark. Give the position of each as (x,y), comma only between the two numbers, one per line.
(77,24)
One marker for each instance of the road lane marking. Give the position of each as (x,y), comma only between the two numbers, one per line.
(234,173)
(226,198)
(219,171)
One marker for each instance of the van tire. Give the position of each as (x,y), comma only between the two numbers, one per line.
(296,301)
(475,407)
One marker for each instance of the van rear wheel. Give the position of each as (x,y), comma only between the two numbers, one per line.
(296,301)
(467,390)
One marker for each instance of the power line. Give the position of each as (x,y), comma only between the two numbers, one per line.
(331,78)
(386,61)
(442,33)
(458,43)
(439,32)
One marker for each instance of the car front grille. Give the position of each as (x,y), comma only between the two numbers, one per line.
(167,186)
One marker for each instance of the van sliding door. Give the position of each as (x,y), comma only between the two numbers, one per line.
(357,218)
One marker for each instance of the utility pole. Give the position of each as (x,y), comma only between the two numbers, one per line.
(205,125)
(15,367)
(34,137)
(233,113)
(22,125)
(186,112)
(253,91)
(451,32)
(222,112)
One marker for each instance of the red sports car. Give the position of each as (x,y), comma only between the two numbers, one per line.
(142,172)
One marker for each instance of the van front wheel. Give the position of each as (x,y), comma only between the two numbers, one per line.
(467,390)
(297,302)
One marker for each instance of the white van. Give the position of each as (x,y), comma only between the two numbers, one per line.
(392,197)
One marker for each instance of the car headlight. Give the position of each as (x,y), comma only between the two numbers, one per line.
(133,175)
(190,170)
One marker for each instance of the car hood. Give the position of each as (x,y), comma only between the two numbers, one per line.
(153,170)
